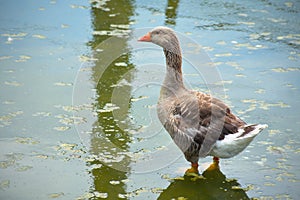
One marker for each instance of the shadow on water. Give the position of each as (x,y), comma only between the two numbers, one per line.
(109,19)
(212,184)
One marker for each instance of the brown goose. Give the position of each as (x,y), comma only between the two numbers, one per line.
(199,124)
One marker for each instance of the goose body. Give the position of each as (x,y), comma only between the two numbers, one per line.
(199,124)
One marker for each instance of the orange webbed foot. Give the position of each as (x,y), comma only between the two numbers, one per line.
(214,165)
(192,170)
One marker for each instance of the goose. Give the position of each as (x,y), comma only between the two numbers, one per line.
(199,124)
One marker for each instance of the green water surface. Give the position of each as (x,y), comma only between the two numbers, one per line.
(78,98)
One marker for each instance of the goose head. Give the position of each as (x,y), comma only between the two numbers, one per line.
(164,37)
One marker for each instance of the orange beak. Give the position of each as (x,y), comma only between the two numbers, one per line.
(145,38)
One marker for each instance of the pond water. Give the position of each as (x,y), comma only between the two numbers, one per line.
(78,98)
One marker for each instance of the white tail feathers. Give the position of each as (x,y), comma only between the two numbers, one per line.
(233,144)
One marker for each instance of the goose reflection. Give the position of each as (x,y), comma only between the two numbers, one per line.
(213,184)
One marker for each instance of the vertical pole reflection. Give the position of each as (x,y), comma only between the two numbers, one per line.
(110,18)
(171,12)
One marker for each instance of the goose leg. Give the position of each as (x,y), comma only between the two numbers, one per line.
(214,165)
(216,160)
(193,169)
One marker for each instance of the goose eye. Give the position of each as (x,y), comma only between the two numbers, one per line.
(157,32)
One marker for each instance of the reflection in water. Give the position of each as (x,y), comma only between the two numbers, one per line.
(110,18)
(171,12)
(212,185)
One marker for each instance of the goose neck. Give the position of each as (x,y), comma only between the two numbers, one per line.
(173,82)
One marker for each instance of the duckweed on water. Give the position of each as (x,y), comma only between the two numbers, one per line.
(139,98)
(289,69)
(274,131)
(263,105)
(260,91)
(241,75)
(223,54)
(14,35)
(70,120)
(274,149)
(13,83)
(8,102)
(74,108)
(42,156)
(102,195)
(5,57)
(108,107)
(91,195)
(6,120)
(4,184)
(39,36)
(11,160)
(61,128)
(24,140)
(24,168)
(63,84)
(84,58)
(75,6)
(113,182)
(249,46)
(56,195)
(23,58)
(41,114)
(121,64)
(250,24)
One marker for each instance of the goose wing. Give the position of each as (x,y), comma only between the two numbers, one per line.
(196,121)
